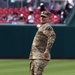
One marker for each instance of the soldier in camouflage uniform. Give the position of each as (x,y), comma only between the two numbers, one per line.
(41,46)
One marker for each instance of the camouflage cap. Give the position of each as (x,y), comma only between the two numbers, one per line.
(45,13)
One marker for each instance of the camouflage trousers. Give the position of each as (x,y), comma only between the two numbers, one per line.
(37,66)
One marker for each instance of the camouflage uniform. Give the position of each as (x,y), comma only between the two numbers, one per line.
(37,66)
(43,40)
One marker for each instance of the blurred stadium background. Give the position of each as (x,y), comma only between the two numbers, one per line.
(18,20)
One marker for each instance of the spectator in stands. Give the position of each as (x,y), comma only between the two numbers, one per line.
(31,7)
(52,7)
(15,18)
(71,2)
(42,6)
(28,3)
(21,19)
(68,6)
(58,7)
(4,18)
(64,14)
(10,17)
(30,19)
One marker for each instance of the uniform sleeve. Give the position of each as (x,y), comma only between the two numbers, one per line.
(49,32)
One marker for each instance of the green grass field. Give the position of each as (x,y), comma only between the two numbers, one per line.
(21,67)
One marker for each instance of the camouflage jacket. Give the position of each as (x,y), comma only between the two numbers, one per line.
(44,39)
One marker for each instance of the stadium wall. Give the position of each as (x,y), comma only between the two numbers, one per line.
(15,41)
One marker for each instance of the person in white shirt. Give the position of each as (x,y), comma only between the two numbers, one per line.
(30,18)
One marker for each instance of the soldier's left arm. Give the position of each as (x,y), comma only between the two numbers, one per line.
(49,32)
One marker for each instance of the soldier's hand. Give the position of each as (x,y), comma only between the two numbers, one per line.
(46,54)
(38,26)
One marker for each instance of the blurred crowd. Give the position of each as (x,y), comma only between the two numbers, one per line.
(31,14)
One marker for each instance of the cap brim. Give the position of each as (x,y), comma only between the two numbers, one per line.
(43,15)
